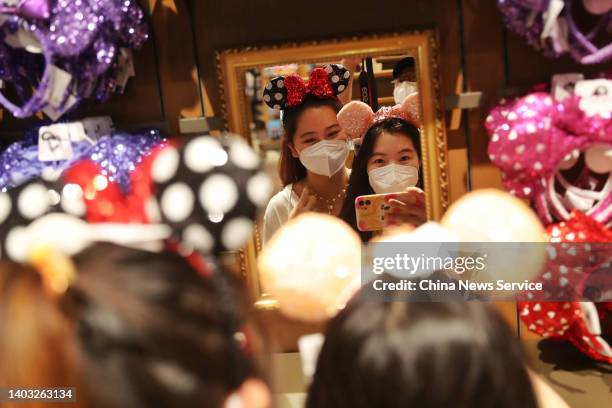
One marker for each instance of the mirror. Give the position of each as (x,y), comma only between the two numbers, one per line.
(243,74)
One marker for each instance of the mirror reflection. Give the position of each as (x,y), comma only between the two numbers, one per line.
(345,139)
(350,128)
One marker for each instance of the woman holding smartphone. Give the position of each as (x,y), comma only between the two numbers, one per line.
(388,162)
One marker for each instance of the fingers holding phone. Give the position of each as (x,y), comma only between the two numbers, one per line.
(407,209)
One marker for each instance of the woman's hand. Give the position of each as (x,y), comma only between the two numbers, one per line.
(412,212)
(350,63)
(307,202)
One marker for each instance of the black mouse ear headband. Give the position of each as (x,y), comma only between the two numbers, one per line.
(284,92)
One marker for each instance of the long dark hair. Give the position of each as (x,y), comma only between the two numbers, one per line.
(410,354)
(291,170)
(359,183)
(148,330)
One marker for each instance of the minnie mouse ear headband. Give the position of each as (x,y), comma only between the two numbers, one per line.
(203,196)
(356,117)
(289,91)
(535,137)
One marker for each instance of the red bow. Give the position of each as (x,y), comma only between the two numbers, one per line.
(318,85)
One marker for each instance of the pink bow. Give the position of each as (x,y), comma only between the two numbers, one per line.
(530,137)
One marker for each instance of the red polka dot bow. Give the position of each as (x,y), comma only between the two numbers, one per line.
(284,92)
(201,196)
(580,265)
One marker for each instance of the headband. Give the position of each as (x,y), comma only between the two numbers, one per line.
(117,155)
(570,268)
(189,194)
(289,91)
(531,137)
(356,117)
(85,50)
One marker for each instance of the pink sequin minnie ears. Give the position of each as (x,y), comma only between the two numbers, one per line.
(357,117)
(534,138)
(284,92)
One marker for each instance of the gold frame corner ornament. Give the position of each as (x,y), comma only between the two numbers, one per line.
(422,44)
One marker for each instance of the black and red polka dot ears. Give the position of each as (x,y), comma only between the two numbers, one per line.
(205,196)
(338,76)
(284,92)
(208,191)
(28,204)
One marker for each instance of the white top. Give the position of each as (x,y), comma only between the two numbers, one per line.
(278,210)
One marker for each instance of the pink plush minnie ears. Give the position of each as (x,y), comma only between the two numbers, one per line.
(356,117)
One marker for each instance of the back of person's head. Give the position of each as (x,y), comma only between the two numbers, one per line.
(426,355)
(148,328)
(37,349)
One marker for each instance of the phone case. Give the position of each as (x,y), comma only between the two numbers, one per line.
(371,209)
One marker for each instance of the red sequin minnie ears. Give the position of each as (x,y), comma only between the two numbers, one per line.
(284,92)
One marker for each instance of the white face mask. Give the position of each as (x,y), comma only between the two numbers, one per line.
(326,157)
(393,178)
(403,89)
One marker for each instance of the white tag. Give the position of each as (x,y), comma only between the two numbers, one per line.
(94,128)
(55,113)
(59,80)
(54,143)
(563,85)
(310,346)
(550,18)
(596,96)
(126,69)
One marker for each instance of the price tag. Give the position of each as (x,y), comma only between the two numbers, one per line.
(59,80)
(126,69)
(56,113)
(595,96)
(54,143)
(94,128)
(563,85)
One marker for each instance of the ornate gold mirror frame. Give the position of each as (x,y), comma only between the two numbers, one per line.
(232,65)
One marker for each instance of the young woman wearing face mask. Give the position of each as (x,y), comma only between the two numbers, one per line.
(314,150)
(388,161)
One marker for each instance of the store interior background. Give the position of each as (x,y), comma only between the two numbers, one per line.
(176,73)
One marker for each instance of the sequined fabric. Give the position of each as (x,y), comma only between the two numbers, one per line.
(83,38)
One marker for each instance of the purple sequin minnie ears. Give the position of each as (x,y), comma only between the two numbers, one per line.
(550,27)
(67,51)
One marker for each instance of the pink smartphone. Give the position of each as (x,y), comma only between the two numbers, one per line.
(371,210)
